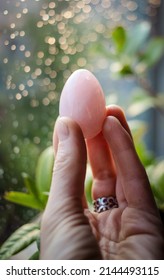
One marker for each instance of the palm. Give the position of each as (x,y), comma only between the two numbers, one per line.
(127,234)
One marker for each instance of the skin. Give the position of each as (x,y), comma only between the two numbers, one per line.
(69,230)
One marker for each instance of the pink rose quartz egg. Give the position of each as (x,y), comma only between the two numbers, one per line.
(82,99)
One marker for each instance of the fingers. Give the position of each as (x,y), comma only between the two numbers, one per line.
(102,167)
(130,171)
(101,160)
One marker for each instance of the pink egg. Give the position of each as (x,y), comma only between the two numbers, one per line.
(82,99)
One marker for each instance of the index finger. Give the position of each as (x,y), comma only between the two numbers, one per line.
(131,173)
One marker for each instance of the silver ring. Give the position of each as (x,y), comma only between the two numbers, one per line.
(102,204)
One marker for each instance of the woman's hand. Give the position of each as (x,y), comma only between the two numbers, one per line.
(69,230)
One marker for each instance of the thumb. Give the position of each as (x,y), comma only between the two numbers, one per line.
(67,185)
(65,230)
(70,164)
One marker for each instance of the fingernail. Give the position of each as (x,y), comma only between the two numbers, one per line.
(62,130)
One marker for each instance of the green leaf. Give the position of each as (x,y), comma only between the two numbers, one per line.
(31,187)
(161,206)
(136,37)
(88,185)
(126,70)
(38,243)
(44,171)
(23,199)
(119,38)
(30,184)
(158,178)
(19,240)
(153,51)
(146,157)
(35,256)
(121,69)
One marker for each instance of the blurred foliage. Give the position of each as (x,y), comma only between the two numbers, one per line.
(131,51)
(156,176)
(37,191)
(21,238)
(54,49)
(133,54)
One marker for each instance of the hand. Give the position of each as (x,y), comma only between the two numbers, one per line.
(69,230)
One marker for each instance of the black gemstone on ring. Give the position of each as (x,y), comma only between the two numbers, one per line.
(104,200)
(104,203)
